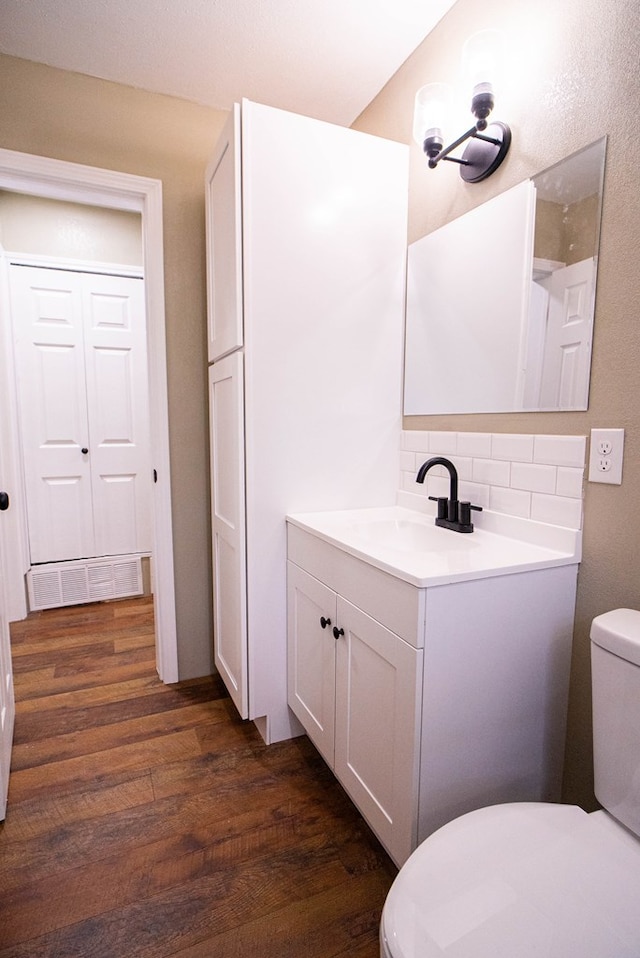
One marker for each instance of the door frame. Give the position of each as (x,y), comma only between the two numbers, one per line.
(74,182)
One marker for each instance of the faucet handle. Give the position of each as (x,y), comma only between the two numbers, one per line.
(442,505)
(465,512)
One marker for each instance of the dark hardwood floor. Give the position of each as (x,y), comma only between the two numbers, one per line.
(147,820)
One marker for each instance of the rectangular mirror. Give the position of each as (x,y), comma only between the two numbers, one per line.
(500,302)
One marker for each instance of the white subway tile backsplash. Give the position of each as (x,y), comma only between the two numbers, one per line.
(415,440)
(464,465)
(533,477)
(527,476)
(476,444)
(513,447)
(443,443)
(569,482)
(512,502)
(560,450)
(407,460)
(557,510)
(495,473)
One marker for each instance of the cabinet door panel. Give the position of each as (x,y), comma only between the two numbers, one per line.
(224,242)
(377,726)
(228,527)
(311,657)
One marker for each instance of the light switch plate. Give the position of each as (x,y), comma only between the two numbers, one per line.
(605,456)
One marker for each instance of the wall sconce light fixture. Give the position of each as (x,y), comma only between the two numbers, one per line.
(488,142)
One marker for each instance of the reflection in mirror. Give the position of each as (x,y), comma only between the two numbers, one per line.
(500,302)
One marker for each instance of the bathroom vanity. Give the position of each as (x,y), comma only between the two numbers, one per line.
(431,669)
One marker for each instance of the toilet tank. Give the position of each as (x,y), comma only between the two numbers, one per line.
(615,668)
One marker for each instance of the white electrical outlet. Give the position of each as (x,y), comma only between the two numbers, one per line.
(605,455)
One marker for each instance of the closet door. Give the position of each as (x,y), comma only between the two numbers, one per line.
(46,307)
(83,399)
(117,400)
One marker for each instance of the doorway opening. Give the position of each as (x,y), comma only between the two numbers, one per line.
(58,180)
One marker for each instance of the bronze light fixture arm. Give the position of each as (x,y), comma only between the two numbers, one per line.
(483,155)
(444,153)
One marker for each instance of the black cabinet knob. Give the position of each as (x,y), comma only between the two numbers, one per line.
(324,622)
(337,632)
(4,501)
(84,450)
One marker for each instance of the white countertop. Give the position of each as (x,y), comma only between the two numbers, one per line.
(407,544)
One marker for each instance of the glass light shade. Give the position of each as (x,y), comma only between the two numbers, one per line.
(431,111)
(482,61)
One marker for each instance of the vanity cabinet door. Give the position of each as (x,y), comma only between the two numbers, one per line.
(311,657)
(378,685)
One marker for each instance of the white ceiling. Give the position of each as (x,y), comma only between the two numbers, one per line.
(323,58)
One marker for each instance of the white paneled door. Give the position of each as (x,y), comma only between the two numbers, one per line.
(81,371)
(567,349)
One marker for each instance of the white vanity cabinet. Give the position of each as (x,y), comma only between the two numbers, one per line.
(355,686)
(431,701)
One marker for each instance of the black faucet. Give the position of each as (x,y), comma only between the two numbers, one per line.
(452,514)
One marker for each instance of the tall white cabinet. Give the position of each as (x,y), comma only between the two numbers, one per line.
(306,234)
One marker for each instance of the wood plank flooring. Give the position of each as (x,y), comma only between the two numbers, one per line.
(147,820)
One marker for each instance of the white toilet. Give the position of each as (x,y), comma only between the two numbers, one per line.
(529,880)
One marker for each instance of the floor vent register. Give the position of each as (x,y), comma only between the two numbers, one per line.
(57,584)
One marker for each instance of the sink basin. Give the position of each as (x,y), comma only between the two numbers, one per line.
(407,544)
(419,534)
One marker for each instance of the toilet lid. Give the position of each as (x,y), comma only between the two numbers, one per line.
(519,881)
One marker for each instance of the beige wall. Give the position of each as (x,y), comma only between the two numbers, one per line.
(573,77)
(79,119)
(43,227)
(567,234)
